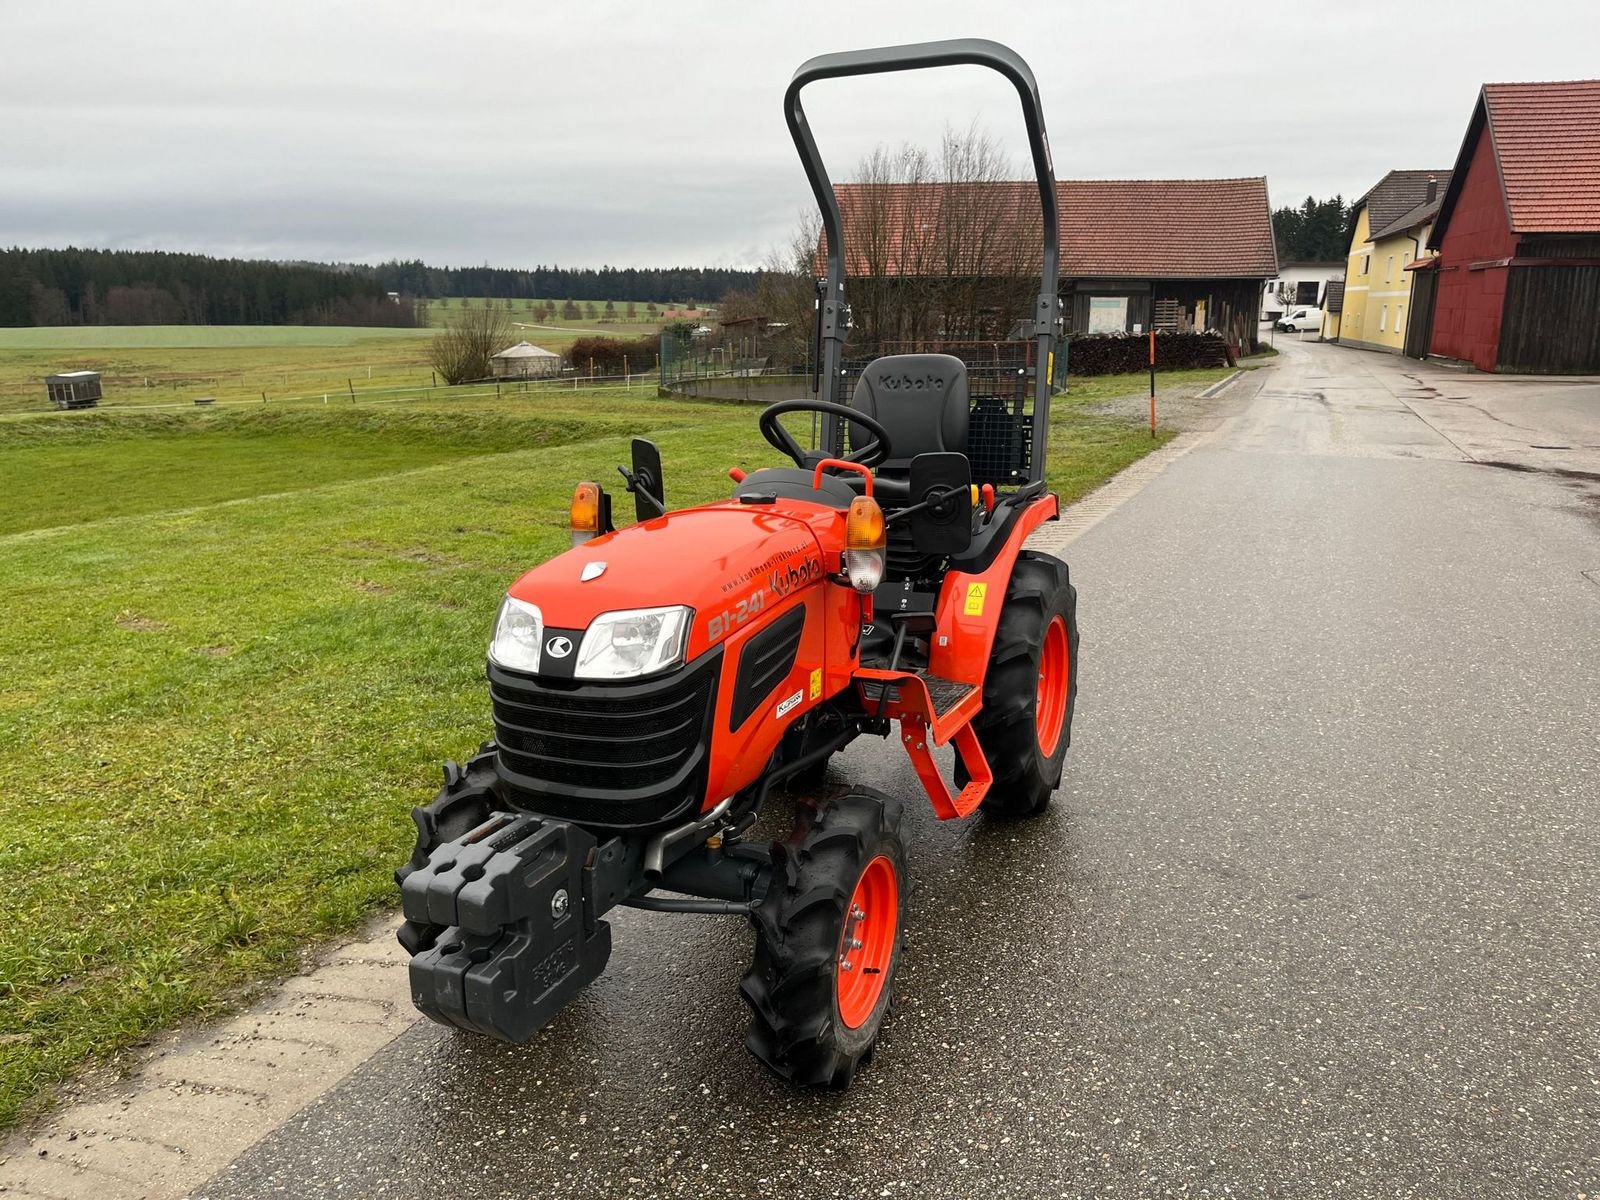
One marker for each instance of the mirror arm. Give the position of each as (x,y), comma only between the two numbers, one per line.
(933,501)
(637,487)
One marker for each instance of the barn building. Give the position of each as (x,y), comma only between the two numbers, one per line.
(524,361)
(1169,253)
(1516,284)
(1180,254)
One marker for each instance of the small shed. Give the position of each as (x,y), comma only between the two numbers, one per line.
(525,361)
(74,389)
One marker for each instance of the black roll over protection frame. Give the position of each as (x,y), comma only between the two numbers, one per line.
(976,52)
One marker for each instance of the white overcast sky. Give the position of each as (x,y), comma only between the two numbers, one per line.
(648,133)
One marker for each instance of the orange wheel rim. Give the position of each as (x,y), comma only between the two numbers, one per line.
(1050,704)
(866,944)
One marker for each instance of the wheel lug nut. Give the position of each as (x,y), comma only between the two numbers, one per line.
(855,943)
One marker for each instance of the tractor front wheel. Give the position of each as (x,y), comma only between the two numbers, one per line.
(1030,688)
(828,938)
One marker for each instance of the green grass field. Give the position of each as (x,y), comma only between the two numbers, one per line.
(145,366)
(165,365)
(235,645)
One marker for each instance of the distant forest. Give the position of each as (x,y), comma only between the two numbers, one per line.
(1317,231)
(659,285)
(137,287)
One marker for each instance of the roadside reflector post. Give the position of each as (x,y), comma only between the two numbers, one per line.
(1152,381)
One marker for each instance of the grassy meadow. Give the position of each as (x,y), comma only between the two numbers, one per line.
(235,644)
(173,365)
(147,366)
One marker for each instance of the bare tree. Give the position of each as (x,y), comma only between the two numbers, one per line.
(473,336)
(985,237)
(739,305)
(938,249)
(786,293)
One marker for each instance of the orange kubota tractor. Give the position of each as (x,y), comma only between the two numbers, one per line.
(654,684)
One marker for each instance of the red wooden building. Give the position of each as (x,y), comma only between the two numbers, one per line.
(1516,285)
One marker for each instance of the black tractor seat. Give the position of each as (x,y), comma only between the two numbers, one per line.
(921,399)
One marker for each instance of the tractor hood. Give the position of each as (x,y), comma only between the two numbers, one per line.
(717,560)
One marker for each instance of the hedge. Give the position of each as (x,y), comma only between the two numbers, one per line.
(1121,353)
(607,354)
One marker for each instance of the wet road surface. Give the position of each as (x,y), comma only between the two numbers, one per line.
(1315,912)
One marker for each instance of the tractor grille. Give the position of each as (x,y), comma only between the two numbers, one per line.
(605,754)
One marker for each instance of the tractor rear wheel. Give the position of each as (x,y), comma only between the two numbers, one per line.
(828,938)
(1030,688)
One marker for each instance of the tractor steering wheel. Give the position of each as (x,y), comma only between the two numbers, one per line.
(870,455)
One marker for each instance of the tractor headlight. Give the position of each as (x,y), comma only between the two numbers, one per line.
(636,641)
(518,632)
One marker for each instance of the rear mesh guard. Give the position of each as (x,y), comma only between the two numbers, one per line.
(999,392)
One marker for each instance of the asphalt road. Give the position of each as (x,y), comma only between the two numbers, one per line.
(1315,912)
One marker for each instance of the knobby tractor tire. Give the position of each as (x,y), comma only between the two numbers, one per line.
(463,803)
(828,938)
(1026,722)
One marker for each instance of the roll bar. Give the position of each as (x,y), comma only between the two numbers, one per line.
(919,56)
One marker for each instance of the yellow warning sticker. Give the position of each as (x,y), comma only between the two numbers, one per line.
(816,683)
(975,594)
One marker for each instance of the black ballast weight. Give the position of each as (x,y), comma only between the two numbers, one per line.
(521,938)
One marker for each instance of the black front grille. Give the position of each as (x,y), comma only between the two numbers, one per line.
(624,754)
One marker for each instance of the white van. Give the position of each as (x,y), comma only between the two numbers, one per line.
(1301,318)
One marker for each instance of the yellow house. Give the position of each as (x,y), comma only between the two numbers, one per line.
(1389,231)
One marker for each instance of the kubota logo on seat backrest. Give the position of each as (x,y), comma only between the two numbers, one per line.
(911,383)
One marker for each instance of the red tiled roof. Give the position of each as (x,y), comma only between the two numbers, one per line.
(1117,228)
(1168,228)
(1547,139)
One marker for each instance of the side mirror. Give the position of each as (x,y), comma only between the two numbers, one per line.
(649,498)
(942,484)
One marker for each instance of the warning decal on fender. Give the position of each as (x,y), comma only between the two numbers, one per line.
(816,683)
(785,705)
(975,594)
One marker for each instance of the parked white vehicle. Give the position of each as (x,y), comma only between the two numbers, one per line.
(1300,319)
